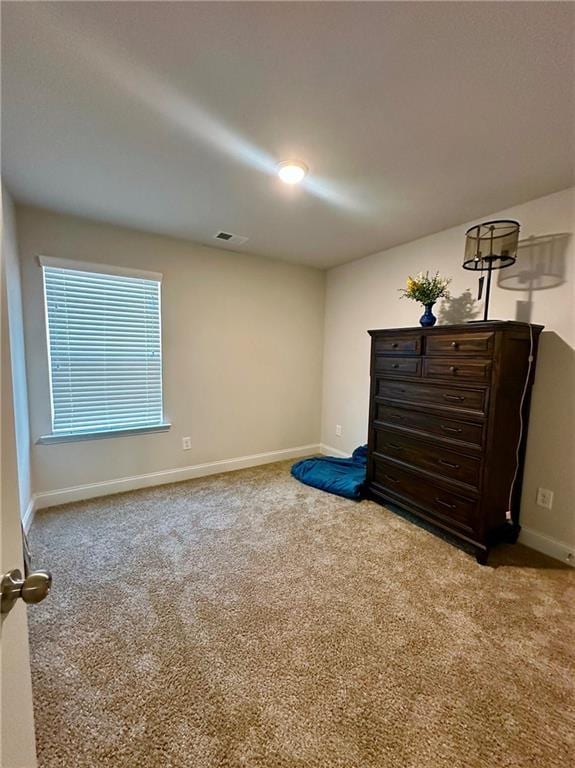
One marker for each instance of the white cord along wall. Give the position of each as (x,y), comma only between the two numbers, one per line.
(521,424)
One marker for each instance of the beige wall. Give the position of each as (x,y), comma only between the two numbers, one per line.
(242,350)
(364,294)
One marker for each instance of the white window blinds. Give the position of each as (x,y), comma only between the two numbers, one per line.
(105,351)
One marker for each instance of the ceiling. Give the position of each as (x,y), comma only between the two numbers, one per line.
(171,117)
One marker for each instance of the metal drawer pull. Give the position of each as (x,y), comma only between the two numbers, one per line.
(454,344)
(395,445)
(457,398)
(395,365)
(391,479)
(455,430)
(453,368)
(395,345)
(448,464)
(396,417)
(445,503)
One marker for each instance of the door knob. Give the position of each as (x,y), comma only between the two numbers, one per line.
(32,589)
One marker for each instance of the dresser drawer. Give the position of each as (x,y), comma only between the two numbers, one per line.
(416,393)
(430,424)
(453,368)
(467,343)
(447,507)
(398,366)
(433,458)
(396,345)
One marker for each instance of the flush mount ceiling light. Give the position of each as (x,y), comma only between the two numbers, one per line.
(292,171)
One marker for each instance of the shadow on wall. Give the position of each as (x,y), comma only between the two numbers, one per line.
(540,266)
(551,441)
(458,309)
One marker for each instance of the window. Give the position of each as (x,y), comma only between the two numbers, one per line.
(104,346)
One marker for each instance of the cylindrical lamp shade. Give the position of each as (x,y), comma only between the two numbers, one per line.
(491,245)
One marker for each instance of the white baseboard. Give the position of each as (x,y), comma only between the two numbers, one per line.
(28,515)
(538,541)
(92,490)
(560,550)
(327,450)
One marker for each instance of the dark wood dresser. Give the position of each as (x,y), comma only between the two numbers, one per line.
(444,425)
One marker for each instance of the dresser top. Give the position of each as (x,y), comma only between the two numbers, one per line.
(479,325)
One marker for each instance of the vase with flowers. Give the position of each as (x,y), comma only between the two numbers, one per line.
(426,290)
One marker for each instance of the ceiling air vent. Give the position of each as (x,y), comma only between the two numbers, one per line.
(230,239)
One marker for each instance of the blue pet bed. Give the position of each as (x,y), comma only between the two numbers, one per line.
(344,477)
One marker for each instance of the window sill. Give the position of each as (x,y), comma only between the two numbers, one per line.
(51,439)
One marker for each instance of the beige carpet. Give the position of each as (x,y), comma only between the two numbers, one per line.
(246,620)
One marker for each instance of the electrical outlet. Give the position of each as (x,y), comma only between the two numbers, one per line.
(544,498)
(186,443)
(338,430)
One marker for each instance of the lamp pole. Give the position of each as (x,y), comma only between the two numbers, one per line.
(488,290)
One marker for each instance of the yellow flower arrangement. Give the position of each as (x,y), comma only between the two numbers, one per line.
(425,289)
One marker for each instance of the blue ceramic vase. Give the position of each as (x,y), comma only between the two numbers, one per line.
(428,319)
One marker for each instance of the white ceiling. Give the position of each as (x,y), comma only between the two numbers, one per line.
(170,117)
